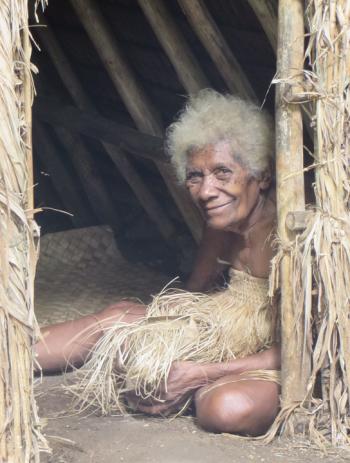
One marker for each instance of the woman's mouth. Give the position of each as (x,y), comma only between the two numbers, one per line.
(217,209)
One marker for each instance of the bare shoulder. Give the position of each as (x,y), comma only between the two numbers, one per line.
(209,263)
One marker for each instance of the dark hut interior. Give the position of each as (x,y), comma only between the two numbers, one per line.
(100,116)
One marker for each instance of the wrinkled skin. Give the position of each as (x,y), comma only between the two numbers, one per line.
(239,213)
(227,195)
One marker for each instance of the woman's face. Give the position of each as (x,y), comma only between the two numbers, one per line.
(221,187)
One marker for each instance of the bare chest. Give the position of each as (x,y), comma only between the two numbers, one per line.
(252,255)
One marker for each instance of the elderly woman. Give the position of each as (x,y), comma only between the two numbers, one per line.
(222,150)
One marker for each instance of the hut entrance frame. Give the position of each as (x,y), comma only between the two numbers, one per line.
(299,268)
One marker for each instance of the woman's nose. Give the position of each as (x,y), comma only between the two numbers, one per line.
(207,189)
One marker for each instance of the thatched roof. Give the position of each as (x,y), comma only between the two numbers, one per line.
(83,178)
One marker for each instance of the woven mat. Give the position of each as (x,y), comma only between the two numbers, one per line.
(81,271)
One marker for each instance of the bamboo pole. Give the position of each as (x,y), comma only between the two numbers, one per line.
(266,12)
(140,108)
(290,192)
(214,42)
(82,100)
(62,181)
(169,35)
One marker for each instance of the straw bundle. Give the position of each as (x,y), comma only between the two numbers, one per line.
(179,325)
(321,255)
(20,436)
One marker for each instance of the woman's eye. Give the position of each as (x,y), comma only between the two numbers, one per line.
(222,173)
(194,177)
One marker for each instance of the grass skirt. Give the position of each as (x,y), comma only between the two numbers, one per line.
(179,325)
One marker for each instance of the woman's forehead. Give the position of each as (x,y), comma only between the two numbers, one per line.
(220,152)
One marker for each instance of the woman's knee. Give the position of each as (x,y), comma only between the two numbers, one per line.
(224,411)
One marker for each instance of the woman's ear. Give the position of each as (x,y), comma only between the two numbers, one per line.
(265,180)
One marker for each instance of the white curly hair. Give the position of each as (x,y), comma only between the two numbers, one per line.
(210,117)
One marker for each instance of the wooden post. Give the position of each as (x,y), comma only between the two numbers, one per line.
(214,42)
(297,220)
(64,184)
(185,63)
(290,192)
(82,100)
(140,108)
(266,12)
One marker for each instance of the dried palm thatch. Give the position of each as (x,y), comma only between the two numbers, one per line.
(20,437)
(323,250)
(179,325)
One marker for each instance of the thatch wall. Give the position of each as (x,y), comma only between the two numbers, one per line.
(315,262)
(19,426)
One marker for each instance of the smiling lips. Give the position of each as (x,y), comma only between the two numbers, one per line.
(209,210)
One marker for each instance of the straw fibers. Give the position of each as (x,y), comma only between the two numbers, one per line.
(321,255)
(179,325)
(20,437)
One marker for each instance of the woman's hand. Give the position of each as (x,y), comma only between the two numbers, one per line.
(184,378)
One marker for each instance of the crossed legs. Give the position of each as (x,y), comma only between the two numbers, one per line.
(237,406)
(229,405)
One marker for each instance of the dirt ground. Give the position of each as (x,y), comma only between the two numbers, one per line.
(87,439)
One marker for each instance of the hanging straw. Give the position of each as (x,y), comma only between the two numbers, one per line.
(178,325)
(323,250)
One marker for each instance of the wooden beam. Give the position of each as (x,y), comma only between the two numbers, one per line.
(82,100)
(136,101)
(169,35)
(62,181)
(95,126)
(140,108)
(87,171)
(214,42)
(266,12)
(84,165)
(290,194)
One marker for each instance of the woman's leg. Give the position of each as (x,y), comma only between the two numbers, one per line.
(246,407)
(70,343)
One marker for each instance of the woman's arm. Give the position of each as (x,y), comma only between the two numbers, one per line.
(269,359)
(206,267)
(186,377)
(193,375)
